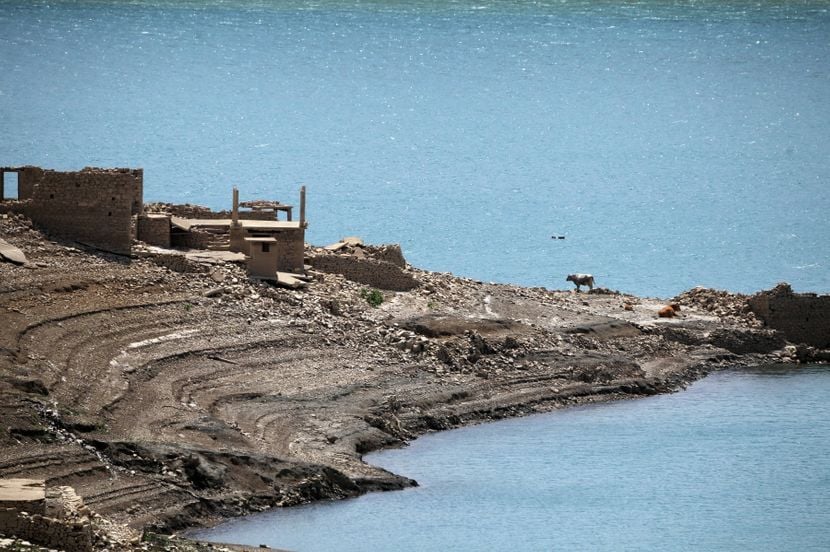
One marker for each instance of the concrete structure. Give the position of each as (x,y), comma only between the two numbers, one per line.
(264,210)
(92,206)
(262,261)
(96,207)
(289,235)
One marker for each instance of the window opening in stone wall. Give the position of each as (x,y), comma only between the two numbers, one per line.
(10,189)
(266,248)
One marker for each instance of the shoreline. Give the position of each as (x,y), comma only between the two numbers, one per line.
(455,468)
(172,399)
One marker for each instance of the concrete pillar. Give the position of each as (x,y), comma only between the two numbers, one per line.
(235,214)
(138,201)
(302,207)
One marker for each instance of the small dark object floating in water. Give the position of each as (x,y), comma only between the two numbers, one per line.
(557,237)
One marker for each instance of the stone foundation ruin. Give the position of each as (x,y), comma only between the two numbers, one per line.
(381,267)
(801,317)
(54,517)
(104,209)
(93,206)
(278,245)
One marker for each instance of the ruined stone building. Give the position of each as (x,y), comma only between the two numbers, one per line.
(92,206)
(271,245)
(104,209)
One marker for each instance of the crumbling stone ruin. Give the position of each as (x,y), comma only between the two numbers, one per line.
(381,267)
(92,206)
(104,209)
(801,317)
(49,516)
(253,229)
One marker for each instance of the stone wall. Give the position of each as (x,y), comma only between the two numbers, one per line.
(71,536)
(291,247)
(12,207)
(89,206)
(92,206)
(177,263)
(55,517)
(801,317)
(195,238)
(154,229)
(391,253)
(26,179)
(378,274)
(136,183)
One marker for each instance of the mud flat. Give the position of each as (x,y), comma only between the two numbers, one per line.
(169,398)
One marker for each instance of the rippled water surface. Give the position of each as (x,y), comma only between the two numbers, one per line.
(672,143)
(736,462)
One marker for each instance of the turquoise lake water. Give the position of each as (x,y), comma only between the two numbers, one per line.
(739,461)
(674,144)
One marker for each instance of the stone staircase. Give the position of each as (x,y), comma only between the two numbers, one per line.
(220,240)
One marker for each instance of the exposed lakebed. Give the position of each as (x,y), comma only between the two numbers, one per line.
(738,461)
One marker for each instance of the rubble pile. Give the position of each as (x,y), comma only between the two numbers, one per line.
(726,305)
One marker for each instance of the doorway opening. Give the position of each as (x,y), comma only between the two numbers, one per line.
(8,186)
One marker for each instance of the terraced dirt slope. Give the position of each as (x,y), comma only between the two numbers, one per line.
(170,399)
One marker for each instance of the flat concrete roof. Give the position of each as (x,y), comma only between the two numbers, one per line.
(263,240)
(187,224)
(202,255)
(22,490)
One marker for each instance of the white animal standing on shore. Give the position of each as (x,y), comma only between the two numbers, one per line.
(581,280)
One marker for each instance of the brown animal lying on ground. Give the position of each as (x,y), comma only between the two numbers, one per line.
(581,280)
(669,311)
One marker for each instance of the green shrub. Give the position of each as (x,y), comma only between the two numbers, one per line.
(372,296)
